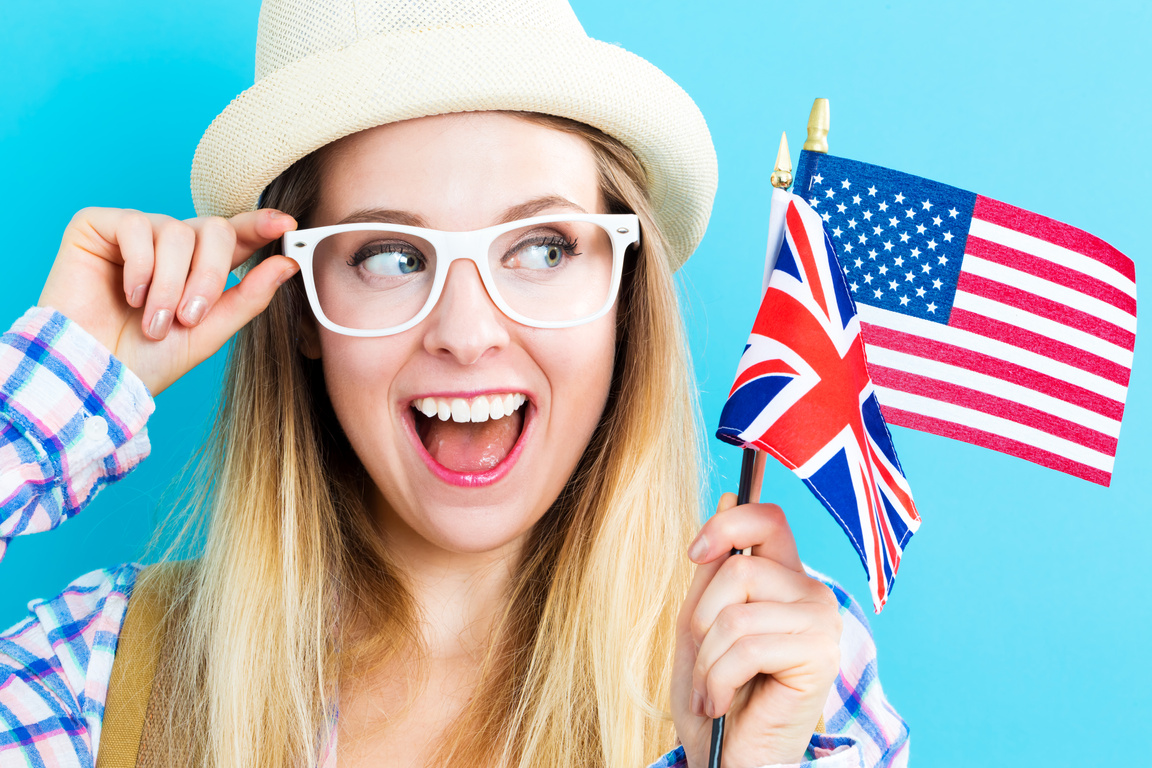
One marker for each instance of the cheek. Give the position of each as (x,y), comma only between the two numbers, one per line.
(358,375)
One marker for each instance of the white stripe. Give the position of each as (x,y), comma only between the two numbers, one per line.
(993,386)
(992,347)
(1057,254)
(1003,427)
(1043,326)
(1049,290)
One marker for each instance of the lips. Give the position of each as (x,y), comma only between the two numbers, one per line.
(470,441)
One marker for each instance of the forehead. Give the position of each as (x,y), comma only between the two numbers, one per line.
(458,172)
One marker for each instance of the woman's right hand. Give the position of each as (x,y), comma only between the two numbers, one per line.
(150,288)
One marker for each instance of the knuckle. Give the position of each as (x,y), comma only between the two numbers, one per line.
(219,229)
(740,568)
(733,620)
(698,627)
(178,233)
(212,277)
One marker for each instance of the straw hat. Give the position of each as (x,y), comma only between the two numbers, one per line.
(329,68)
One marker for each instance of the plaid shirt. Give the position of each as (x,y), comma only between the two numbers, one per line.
(72,419)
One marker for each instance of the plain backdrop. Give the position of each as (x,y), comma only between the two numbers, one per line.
(1017,629)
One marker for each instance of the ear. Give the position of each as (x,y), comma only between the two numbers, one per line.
(308,336)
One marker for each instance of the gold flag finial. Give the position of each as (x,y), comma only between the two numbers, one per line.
(782,176)
(818,121)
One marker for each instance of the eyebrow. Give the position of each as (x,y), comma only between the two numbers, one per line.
(521,211)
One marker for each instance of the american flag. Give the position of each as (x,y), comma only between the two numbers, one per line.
(982,322)
(802,393)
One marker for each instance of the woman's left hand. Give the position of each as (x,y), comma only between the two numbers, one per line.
(757,639)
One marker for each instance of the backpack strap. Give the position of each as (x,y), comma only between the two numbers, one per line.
(134,666)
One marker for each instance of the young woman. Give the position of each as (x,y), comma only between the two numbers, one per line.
(453,496)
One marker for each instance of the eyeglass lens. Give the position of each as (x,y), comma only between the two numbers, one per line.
(378,279)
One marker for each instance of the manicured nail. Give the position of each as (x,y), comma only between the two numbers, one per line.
(697,705)
(161,322)
(194,310)
(138,295)
(286,275)
(710,709)
(275,215)
(699,548)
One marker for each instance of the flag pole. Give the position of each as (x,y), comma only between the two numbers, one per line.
(752,465)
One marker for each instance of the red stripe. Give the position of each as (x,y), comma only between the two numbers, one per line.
(903,499)
(766,368)
(996,443)
(983,402)
(1047,270)
(1041,345)
(886,338)
(1045,307)
(1055,232)
(877,557)
(804,251)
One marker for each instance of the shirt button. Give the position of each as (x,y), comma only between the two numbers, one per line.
(95,429)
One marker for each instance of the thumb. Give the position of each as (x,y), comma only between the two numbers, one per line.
(242,302)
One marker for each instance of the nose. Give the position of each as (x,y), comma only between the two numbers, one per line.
(465,324)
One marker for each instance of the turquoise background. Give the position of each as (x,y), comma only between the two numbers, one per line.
(1017,631)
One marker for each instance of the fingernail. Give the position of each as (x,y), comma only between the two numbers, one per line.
(275,215)
(138,295)
(699,548)
(710,709)
(161,322)
(697,705)
(286,275)
(194,310)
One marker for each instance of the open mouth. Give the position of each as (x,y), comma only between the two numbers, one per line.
(470,436)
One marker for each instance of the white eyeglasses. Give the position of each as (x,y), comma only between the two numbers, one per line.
(379,279)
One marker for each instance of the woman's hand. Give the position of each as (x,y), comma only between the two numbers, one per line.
(150,288)
(757,639)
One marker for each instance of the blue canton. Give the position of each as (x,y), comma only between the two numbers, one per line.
(899,238)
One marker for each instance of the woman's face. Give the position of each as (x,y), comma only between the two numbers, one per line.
(442,486)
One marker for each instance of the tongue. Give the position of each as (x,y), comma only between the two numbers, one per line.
(472,446)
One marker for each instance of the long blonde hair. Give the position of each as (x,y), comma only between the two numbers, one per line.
(578,671)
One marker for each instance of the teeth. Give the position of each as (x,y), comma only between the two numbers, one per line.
(477,409)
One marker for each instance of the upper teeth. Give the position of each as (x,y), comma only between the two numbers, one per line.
(479,408)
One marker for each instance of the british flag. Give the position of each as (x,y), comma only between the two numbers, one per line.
(802,393)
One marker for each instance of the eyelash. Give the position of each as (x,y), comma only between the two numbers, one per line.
(362,255)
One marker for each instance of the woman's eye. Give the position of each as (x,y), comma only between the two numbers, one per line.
(547,254)
(389,261)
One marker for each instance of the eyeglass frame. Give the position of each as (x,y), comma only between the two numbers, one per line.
(452,246)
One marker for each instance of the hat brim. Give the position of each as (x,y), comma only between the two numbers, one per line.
(326,96)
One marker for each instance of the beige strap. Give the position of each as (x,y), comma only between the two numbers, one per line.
(820,725)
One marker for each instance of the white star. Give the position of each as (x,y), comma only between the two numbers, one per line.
(868,278)
(920,292)
(931,307)
(815,201)
(926,267)
(899,197)
(872,254)
(871,191)
(904,237)
(817,179)
(877,292)
(937,284)
(892,222)
(937,220)
(856,199)
(915,253)
(943,260)
(854,286)
(947,237)
(877,229)
(845,184)
(898,261)
(859,263)
(893,284)
(888,245)
(826,216)
(841,208)
(883,206)
(830,193)
(920,229)
(867,215)
(851,223)
(910,276)
(848,247)
(903,301)
(953,213)
(837,231)
(926,205)
(931,245)
(910,213)
(883,269)
(863,239)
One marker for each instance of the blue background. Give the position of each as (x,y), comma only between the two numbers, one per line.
(1017,631)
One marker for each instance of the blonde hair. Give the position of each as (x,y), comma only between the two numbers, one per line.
(578,672)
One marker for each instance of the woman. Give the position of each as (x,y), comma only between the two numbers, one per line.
(453,494)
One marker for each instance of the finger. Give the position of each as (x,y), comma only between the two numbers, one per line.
(174,242)
(747,619)
(763,527)
(801,662)
(211,262)
(255,229)
(703,575)
(242,302)
(751,579)
(132,234)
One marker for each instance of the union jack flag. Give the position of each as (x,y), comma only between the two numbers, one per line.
(802,393)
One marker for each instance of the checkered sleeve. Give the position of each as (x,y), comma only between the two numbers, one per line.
(54,671)
(861,729)
(72,419)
